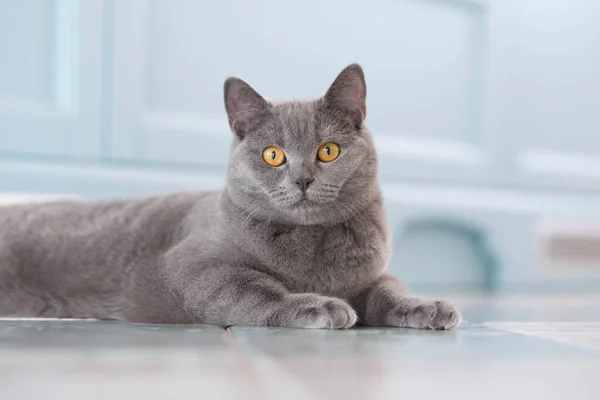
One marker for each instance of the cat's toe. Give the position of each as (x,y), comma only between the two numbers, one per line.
(447,316)
(414,312)
(342,315)
(327,314)
(421,315)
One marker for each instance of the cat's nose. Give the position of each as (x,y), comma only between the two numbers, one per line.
(303,183)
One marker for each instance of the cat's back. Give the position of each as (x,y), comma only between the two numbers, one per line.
(79,219)
(84,253)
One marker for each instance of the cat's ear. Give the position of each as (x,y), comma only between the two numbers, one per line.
(245,107)
(348,93)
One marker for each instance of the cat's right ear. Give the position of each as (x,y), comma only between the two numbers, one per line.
(245,107)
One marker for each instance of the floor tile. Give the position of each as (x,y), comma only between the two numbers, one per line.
(99,360)
(474,361)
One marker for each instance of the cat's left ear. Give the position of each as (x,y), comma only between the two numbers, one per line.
(348,93)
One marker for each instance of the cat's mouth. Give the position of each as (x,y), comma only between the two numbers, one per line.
(303,203)
(306,203)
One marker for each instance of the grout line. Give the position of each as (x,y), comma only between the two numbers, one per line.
(270,373)
(251,374)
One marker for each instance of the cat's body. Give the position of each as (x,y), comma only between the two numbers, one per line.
(109,260)
(300,244)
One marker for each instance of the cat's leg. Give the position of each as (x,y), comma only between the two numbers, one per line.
(386,303)
(226,295)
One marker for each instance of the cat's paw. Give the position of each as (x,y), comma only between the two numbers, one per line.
(317,312)
(414,312)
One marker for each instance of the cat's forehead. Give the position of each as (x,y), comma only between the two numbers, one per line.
(296,111)
(300,121)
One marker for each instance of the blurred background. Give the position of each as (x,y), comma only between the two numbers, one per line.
(486,115)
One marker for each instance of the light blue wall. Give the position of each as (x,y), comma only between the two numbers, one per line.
(475,105)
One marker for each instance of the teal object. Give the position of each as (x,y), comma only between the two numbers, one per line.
(488,257)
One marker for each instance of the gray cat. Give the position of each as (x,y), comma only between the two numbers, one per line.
(297,238)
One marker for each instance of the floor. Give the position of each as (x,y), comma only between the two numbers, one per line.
(541,347)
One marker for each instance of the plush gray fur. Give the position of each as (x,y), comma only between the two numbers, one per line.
(261,252)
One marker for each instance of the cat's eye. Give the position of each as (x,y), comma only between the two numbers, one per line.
(273,156)
(328,152)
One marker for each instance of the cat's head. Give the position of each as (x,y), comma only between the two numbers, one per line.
(302,162)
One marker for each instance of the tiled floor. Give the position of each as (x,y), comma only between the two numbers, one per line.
(543,347)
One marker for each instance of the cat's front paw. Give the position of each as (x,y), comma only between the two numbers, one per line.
(316,312)
(415,312)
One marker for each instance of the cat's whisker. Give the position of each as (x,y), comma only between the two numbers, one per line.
(256,207)
(344,224)
(359,213)
(252,212)
(354,212)
(269,220)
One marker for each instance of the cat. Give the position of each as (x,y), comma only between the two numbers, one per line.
(298,238)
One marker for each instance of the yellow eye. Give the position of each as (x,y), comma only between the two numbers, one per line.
(328,152)
(273,156)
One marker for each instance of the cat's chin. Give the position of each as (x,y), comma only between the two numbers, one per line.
(309,212)
(302,206)
(309,205)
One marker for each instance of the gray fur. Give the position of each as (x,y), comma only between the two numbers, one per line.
(260,252)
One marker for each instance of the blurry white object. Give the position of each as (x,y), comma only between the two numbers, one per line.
(569,245)
(18,198)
